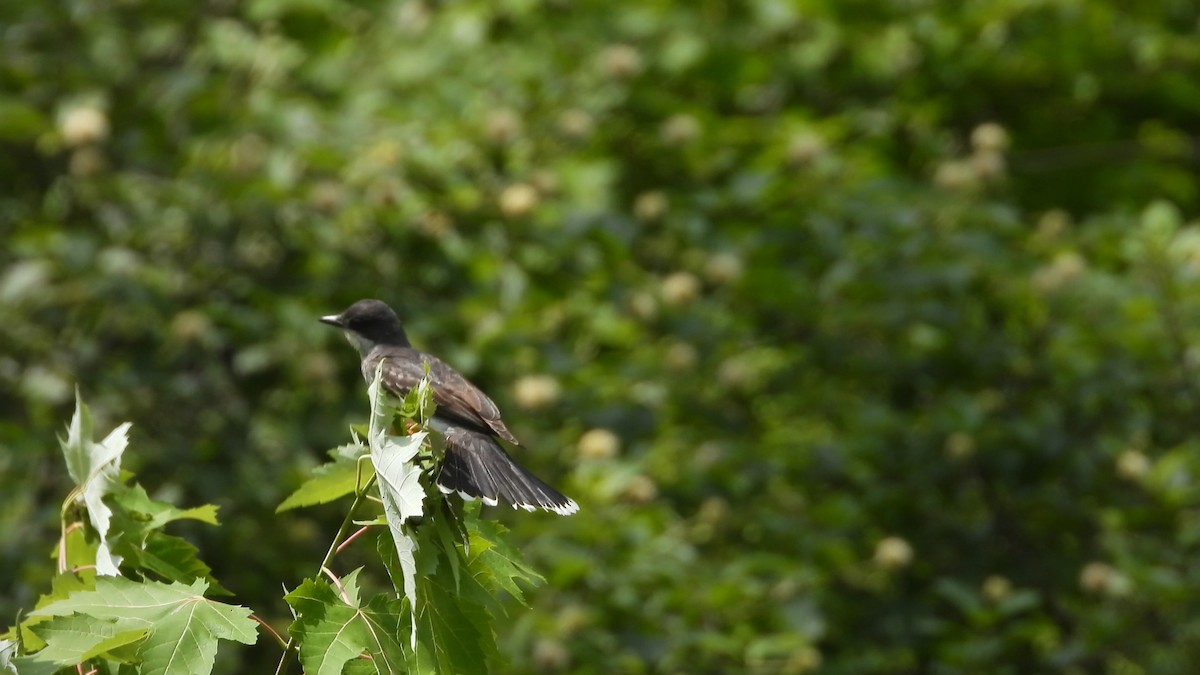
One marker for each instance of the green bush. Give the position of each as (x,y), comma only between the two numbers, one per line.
(864,333)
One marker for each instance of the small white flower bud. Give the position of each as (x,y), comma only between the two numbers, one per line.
(518,200)
(989,137)
(680,288)
(621,61)
(893,553)
(598,444)
(1133,465)
(83,124)
(536,391)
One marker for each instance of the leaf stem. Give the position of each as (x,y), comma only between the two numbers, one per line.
(359,495)
(362,530)
(337,583)
(278,638)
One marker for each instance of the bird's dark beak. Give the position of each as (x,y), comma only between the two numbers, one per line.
(332,320)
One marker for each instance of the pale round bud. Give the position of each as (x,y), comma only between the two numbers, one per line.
(413,18)
(956,175)
(680,129)
(436,224)
(680,288)
(573,618)
(804,659)
(893,553)
(190,326)
(988,165)
(989,137)
(1133,465)
(87,162)
(545,181)
(713,510)
(598,444)
(996,588)
(576,123)
(805,148)
(1053,224)
(708,454)
(82,125)
(45,385)
(518,200)
(1095,577)
(1066,269)
(650,206)
(536,391)
(641,490)
(734,372)
(621,61)
(959,445)
(644,306)
(327,196)
(723,268)
(650,393)
(118,261)
(502,125)
(681,357)
(550,655)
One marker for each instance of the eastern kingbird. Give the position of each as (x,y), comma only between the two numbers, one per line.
(475,465)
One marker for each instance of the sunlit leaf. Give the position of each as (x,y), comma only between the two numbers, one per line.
(332,632)
(184,626)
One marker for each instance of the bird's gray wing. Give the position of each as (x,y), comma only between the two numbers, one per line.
(454,394)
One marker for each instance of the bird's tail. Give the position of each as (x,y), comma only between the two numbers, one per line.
(476,467)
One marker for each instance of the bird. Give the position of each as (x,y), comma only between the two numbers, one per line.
(474,465)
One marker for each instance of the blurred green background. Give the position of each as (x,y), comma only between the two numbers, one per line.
(866,333)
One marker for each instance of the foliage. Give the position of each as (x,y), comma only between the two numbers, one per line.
(864,333)
(446,595)
(94,615)
(447,598)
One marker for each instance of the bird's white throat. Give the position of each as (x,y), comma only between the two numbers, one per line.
(360,343)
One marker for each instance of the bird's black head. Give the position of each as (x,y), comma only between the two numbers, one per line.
(367,323)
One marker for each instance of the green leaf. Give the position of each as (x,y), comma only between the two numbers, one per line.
(75,639)
(136,522)
(381,413)
(495,562)
(418,403)
(61,587)
(175,559)
(75,446)
(155,514)
(20,121)
(454,628)
(183,625)
(28,665)
(399,481)
(398,477)
(8,650)
(447,529)
(332,632)
(95,468)
(331,480)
